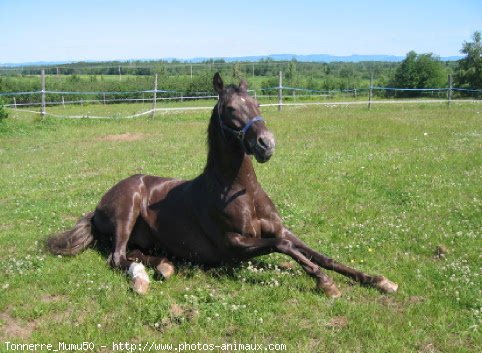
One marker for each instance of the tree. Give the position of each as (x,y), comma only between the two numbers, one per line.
(3,112)
(291,72)
(469,71)
(236,71)
(419,71)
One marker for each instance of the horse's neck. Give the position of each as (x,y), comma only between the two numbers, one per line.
(232,168)
(228,162)
(245,175)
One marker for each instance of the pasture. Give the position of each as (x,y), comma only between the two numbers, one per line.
(395,190)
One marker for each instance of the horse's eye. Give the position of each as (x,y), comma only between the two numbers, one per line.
(230,109)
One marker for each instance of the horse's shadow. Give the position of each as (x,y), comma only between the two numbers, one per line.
(231,271)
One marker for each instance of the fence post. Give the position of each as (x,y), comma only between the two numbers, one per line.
(42,79)
(63,102)
(154,100)
(191,72)
(449,92)
(370,93)
(14,103)
(280,92)
(120,74)
(103,94)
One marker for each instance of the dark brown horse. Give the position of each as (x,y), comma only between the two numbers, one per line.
(222,216)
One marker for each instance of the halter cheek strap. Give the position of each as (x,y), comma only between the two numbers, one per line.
(239,134)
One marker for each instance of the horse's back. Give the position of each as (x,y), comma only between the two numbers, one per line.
(135,188)
(128,198)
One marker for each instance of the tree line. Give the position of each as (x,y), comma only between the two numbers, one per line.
(415,71)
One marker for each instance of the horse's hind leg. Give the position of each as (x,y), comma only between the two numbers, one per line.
(379,282)
(161,265)
(136,271)
(121,226)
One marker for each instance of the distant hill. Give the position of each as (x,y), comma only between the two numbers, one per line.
(316,58)
(275,57)
(309,58)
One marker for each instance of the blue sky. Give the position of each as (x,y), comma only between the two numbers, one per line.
(52,30)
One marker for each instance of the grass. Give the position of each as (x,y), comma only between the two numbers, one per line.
(379,190)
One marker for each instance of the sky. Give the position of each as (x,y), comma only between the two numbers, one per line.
(54,30)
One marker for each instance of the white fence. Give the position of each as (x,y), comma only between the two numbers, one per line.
(283,99)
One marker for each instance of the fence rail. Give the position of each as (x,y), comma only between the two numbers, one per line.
(283,93)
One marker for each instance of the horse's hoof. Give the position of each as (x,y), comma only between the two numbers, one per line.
(140,285)
(386,286)
(166,269)
(139,278)
(331,290)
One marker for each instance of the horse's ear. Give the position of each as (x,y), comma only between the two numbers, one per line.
(243,86)
(218,83)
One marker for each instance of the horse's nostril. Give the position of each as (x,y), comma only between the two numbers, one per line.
(262,143)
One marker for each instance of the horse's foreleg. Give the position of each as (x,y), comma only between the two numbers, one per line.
(378,282)
(161,265)
(251,247)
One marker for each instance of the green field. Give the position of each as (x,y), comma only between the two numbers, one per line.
(380,190)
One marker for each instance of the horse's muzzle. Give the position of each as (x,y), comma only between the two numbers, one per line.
(264,148)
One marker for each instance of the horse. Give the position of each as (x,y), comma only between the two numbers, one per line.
(220,217)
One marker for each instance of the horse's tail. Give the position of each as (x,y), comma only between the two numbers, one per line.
(73,241)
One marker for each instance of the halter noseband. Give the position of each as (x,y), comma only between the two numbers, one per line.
(239,134)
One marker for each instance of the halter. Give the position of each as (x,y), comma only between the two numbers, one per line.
(239,134)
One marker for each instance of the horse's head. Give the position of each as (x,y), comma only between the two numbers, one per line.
(239,118)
